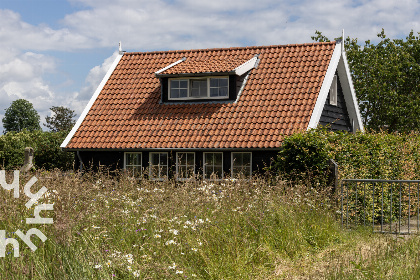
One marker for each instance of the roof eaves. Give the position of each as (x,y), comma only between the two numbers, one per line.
(91,101)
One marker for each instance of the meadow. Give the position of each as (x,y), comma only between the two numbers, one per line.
(108,226)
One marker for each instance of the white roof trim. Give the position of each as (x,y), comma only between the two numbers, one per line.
(348,91)
(171,65)
(246,66)
(91,101)
(338,62)
(325,88)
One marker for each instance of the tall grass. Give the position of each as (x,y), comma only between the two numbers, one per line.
(112,227)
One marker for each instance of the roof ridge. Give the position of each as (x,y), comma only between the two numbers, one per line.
(232,48)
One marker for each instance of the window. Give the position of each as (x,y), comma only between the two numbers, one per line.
(213,165)
(333,92)
(195,88)
(241,164)
(185,165)
(158,166)
(132,163)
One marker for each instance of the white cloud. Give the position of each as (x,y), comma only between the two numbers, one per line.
(175,24)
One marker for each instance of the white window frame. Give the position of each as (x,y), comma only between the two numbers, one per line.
(334,91)
(160,177)
(232,162)
(127,166)
(204,165)
(186,165)
(189,88)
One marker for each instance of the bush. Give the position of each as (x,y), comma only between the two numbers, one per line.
(304,156)
(46,145)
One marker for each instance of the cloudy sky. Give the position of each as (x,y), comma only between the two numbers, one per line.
(56,52)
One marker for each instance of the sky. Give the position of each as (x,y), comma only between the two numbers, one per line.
(56,52)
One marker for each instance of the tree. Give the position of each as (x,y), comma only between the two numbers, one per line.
(386,78)
(61,120)
(21,115)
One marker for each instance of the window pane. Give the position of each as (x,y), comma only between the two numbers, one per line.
(214,92)
(174,83)
(218,158)
(214,82)
(218,171)
(199,87)
(155,158)
(209,158)
(223,82)
(181,159)
(190,159)
(246,159)
(183,84)
(163,159)
(183,93)
(223,91)
(174,93)
(163,171)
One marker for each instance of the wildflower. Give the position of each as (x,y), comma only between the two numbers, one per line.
(136,273)
(194,249)
(169,242)
(157,236)
(95,226)
(179,272)
(129,268)
(108,263)
(174,231)
(173,266)
(98,266)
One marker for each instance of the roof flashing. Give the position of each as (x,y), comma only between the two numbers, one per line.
(170,66)
(248,65)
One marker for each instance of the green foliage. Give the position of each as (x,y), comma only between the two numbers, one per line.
(19,116)
(304,155)
(61,120)
(370,155)
(386,80)
(46,145)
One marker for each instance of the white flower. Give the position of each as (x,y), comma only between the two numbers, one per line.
(173,266)
(98,266)
(169,242)
(157,236)
(179,272)
(136,273)
(174,231)
(129,268)
(108,263)
(194,249)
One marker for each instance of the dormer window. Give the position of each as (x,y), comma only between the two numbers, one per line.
(200,87)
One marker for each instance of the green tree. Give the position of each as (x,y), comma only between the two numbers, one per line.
(61,120)
(386,78)
(19,116)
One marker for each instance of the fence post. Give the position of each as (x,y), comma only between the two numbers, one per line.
(29,156)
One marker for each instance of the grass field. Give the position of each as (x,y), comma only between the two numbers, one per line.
(110,227)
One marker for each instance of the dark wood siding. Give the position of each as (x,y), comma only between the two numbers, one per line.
(336,117)
(114,160)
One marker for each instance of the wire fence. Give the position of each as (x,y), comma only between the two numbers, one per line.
(389,206)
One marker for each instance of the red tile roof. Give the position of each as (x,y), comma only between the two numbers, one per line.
(278,99)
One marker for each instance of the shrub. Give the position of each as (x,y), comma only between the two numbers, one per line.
(46,145)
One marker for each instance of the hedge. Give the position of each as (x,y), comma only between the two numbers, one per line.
(46,145)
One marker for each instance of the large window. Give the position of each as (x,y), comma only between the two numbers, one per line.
(194,88)
(185,165)
(158,166)
(241,164)
(132,164)
(213,165)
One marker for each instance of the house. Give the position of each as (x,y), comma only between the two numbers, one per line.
(212,112)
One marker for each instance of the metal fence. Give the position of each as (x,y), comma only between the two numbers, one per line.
(388,206)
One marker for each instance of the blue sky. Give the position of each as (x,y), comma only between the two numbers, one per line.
(56,52)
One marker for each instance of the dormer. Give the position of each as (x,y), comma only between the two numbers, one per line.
(202,80)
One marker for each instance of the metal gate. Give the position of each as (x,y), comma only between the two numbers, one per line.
(388,206)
